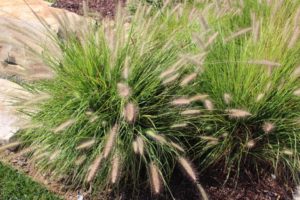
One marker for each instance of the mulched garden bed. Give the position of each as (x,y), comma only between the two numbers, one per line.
(264,188)
(106,8)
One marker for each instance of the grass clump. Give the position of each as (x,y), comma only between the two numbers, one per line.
(251,82)
(112,112)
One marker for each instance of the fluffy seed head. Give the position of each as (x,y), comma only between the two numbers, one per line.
(250,144)
(167,73)
(155,178)
(180,101)
(203,22)
(93,118)
(186,80)
(187,167)
(268,127)
(177,146)
(93,169)
(211,39)
(181,125)
(208,105)
(130,112)
(264,62)
(297,92)
(238,33)
(54,155)
(86,145)
(115,168)
(294,37)
(202,192)
(198,97)
(191,112)
(209,138)
(198,40)
(140,145)
(287,152)
(227,98)
(135,147)
(237,113)
(123,90)
(171,79)
(80,160)
(259,97)
(64,125)
(156,137)
(296,72)
(110,140)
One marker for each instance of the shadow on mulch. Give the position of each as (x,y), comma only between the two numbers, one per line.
(247,188)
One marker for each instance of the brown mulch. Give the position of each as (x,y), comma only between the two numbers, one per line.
(106,8)
(247,188)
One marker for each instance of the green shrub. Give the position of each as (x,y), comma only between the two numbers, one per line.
(250,118)
(112,112)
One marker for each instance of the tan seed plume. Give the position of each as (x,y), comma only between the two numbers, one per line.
(93,118)
(155,178)
(198,97)
(238,33)
(203,22)
(264,62)
(255,27)
(180,101)
(202,192)
(54,155)
(130,112)
(259,97)
(287,152)
(177,146)
(211,39)
(186,80)
(9,145)
(209,138)
(115,169)
(123,90)
(126,69)
(64,125)
(110,140)
(297,92)
(227,98)
(191,112)
(296,72)
(167,73)
(268,127)
(250,144)
(79,161)
(238,113)
(94,168)
(86,145)
(187,167)
(135,147)
(140,145)
(295,37)
(181,125)
(171,79)
(198,40)
(157,137)
(208,105)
